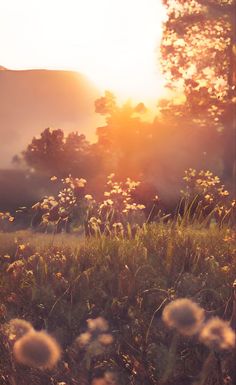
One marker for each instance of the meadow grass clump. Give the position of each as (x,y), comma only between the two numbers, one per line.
(37,350)
(60,281)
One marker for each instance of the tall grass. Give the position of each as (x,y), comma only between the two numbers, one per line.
(57,282)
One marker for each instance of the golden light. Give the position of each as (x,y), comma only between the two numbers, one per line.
(113,42)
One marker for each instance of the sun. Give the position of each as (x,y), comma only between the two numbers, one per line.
(113,42)
(122,54)
(123,50)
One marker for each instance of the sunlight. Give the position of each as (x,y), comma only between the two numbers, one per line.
(113,42)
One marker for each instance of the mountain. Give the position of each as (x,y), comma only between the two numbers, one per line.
(32,100)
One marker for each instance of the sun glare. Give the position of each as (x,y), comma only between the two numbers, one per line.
(113,42)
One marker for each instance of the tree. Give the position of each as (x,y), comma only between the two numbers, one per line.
(45,153)
(54,153)
(198,59)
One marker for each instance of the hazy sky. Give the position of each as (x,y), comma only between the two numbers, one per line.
(113,42)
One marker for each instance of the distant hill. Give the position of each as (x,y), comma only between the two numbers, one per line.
(32,100)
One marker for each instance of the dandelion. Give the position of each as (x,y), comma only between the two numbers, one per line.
(105,339)
(96,338)
(217,334)
(84,339)
(18,328)
(37,350)
(183,315)
(99,324)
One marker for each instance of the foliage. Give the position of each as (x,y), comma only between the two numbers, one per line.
(198,60)
(200,29)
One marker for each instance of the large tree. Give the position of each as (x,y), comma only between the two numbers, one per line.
(198,59)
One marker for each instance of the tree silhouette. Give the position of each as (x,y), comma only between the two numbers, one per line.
(54,153)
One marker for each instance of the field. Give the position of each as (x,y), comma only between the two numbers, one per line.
(117,192)
(58,282)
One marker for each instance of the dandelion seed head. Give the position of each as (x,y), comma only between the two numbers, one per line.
(183,315)
(84,339)
(18,328)
(37,350)
(105,339)
(217,334)
(99,324)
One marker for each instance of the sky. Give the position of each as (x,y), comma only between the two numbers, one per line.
(113,42)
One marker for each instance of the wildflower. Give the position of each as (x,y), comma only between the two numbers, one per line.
(18,328)
(88,197)
(84,339)
(98,324)
(183,315)
(217,334)
(222,192)
(53,178)
(105,339)
(109,202)
(209,198)
(96,338)
(140,207)
(37,350)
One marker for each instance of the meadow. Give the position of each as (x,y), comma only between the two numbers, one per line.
(107,295)
(118,260)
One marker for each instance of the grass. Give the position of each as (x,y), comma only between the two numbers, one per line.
(63,280)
